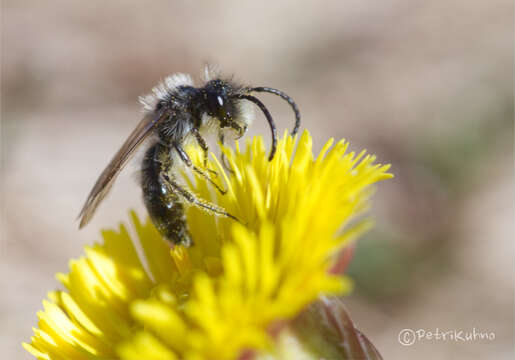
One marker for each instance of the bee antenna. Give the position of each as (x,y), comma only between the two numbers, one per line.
(265,111)
(288,99)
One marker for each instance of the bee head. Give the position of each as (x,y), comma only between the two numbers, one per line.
(227,103)
(217,100)
(220,105)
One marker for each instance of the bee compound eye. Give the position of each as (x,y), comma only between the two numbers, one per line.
(213,103)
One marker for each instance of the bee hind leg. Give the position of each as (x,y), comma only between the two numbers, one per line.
(194,200)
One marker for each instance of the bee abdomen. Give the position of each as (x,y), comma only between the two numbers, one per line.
(165,208)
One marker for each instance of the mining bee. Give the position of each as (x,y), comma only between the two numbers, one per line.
(177,112)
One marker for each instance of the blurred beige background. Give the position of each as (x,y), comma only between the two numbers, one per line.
(425,85)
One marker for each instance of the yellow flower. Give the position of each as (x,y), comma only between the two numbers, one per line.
(224,296)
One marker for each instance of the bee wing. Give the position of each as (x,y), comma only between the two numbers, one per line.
(106,179)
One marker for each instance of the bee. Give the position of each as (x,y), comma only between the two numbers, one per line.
(175,113)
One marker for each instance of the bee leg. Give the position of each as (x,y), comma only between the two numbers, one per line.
(186,159)
(203,145)
(193,199)
(225,164)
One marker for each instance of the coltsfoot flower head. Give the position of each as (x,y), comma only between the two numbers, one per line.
(229,294)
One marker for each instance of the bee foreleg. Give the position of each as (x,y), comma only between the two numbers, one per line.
(225,164)
(193,199)
(186,159)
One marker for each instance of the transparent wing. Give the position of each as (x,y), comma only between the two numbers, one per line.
(106,179)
